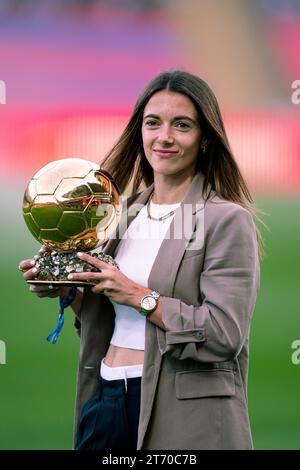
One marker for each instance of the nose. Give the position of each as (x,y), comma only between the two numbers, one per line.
(165,135)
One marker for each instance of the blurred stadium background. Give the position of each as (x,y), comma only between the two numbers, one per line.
(73,70)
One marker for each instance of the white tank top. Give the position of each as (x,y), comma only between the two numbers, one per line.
(135,255)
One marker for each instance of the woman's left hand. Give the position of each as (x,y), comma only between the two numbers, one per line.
(111,282)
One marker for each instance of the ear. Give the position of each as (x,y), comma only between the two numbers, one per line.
(205,141)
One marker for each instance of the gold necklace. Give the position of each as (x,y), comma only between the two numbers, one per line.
(158,219)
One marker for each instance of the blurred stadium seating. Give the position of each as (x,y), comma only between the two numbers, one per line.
(74,69)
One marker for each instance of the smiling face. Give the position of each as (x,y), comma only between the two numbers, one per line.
(171,134)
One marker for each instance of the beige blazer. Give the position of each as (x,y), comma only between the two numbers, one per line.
(194,383)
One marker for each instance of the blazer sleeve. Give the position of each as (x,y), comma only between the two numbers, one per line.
(217,329)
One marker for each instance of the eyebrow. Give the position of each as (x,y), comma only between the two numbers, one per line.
(176,118)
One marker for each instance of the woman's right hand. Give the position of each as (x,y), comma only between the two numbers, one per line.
(27,266)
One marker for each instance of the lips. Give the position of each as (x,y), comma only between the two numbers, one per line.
(165,153)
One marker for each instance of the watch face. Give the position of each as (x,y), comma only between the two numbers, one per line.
(149,303)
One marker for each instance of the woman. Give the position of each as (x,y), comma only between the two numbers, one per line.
(169,331)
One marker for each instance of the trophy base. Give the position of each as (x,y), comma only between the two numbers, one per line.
(54,268)
(62,283)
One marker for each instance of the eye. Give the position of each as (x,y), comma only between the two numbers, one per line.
(151,123)
(183,125)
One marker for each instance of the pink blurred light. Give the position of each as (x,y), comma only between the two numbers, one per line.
(266,145)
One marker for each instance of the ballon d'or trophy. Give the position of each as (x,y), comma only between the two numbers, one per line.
(70,205)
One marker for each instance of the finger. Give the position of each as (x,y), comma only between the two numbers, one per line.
(97,289)
(54,293)
(43,291)
(98,263)
(87,276)
(30,273)
(49,294)
(43,249)
(26,264)
(45,294)
(40,294)
(37,289)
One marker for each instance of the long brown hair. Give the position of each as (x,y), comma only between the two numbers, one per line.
(127,163)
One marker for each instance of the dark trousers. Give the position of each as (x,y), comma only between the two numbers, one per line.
(109,419)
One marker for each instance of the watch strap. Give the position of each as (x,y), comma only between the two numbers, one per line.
(155,294)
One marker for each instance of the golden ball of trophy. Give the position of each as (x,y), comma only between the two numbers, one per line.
(70,205)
